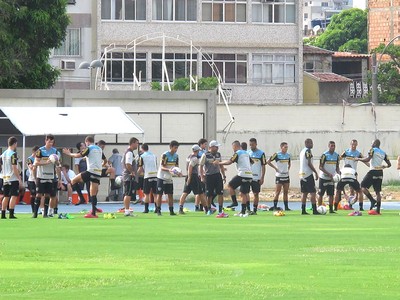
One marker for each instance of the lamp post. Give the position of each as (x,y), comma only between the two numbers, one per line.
(92,65)
(375,70)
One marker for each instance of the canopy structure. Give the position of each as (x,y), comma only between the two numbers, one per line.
(67,124)
(39,121)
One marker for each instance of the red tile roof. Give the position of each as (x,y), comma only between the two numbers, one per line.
(307,49)
(329,77)
(349,55)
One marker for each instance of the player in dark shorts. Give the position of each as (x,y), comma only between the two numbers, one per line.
(348,176)
(107,170)
(11,178)
(148,165)
(258,169)
(129,174)
(31,183)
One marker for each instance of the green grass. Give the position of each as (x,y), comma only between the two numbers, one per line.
(199,257)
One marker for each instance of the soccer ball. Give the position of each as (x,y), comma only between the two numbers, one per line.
(322,209)
(118,181)
(176,171)
(279,213)
(336,178)
(53,158)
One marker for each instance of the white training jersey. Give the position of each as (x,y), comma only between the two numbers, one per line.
(243,165)
(348,173)
(305,170)
(378,156)
(349,157)
(45,171)
(94,159)
(149,163)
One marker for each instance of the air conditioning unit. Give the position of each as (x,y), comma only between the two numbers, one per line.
(67,64)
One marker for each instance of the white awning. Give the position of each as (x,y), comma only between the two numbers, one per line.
(36,121)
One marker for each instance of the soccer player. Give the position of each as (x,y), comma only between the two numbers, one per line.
(66,177)
(307,182)
(192,182)
(148,164)
(129,174)
(11,178)
(203,143)
(244,176)
(329,166)
(94,158)
(213,176)
(45,174)
(32,176)
(165,185)
(80,166)
(348,157)
(107,170)
(348,176)
(282,180)
(258,169)
(374,177)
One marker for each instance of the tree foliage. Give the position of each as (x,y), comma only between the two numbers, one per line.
(388,74)
(347,31)
(29,29)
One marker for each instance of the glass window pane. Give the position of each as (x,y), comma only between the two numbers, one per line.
(230,74)
(290,14)
(118,10)
(105,9)
(180,69)
(279,14)
(156,71)
(157,9)
(207,12)
(241,57)
(241,73)
(257,57)
(141,67)
(267,13)
(128,71)
(206,70)
(230,12)
(241,13)
(168,10)
(116,71)
(289,73)
(218,12)
(278,73)
(170,71)
(257,74)
(267,73)
(180,10)
(140,9)
(192,10)
(129,9)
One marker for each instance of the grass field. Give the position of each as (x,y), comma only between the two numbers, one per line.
(199,257)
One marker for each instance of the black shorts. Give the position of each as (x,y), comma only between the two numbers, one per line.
(243,182)
(32,187)
(164,188)
(130,187)
(327,186)
(11,189)
(255,186)
(348,181)
(214,185)
(307,184)
(150,185)
(87,176)
(282,180)
(140,183)
(374,178)
(45,186)
(193,186)
(104,173)
(1,186)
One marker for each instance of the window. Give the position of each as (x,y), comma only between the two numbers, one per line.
(71,2)
(313,66)
(305,16)
(274,11)
(132,10)
(71,45)
(224,10)
(178,65)
(232,67)
(273,69)
(324,4)
(120,66)
(175,10)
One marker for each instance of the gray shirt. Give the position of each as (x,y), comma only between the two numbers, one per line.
(207,160)
(116,162)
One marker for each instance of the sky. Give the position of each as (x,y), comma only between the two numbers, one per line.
(359,4)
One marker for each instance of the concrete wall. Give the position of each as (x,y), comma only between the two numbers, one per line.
(333,92)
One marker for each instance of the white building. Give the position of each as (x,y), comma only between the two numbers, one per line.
(319,12)
(256,45)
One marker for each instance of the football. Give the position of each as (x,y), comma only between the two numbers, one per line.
(53,158)
(322,209)
(279,213)
(176,171)
(336,178)
(118,181)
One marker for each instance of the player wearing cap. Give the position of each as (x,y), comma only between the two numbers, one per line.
(329,166)
(282,180)
(45,174)
(165,185)
(374,177)
(258,169)
(203,143)
(192,182)
(307,182)
(94,158)
(148,165)
(11,178)
(244,177)
(213,176)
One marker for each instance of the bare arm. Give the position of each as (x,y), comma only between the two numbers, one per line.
(311,166)
(70,154)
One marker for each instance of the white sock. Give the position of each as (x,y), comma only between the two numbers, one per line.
(70,199)
(51,211)
(127,211)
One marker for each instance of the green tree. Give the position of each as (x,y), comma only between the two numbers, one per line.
(347,31)
(29,29)
(388,74)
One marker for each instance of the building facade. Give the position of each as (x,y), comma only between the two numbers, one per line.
(383,22)
(255,45)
